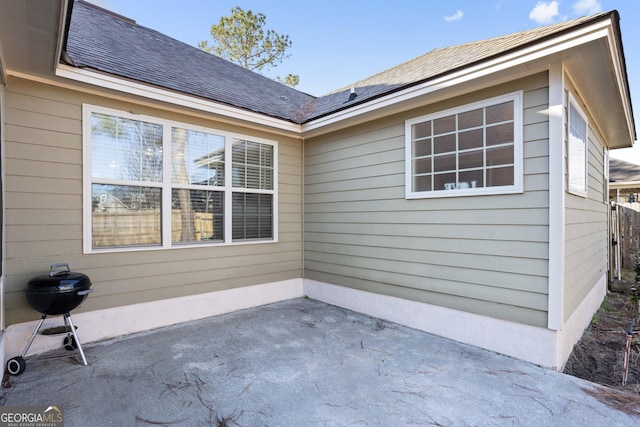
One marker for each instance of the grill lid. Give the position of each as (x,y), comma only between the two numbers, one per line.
(60,279)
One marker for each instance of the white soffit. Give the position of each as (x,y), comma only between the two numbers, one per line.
(600,65)
(31,34)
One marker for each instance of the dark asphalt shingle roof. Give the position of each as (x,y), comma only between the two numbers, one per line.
(104,41)
(441,61)
(621,171)
(112,44)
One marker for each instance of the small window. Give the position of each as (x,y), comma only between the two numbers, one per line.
(578,148)
(472,150)
(155,183)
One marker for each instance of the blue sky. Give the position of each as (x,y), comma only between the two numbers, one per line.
(338,42)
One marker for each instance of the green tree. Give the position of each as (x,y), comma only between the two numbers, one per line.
(290,80)
(242,39)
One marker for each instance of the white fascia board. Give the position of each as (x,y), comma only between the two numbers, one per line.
(622,84)
(64,6)
(520,57)
(163,95)
(3,71)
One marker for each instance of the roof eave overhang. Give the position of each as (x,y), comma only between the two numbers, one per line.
(31,37)
(63,26)
(513,64)
(3,71)
(94,79)
(609,105)
(49,70)
(624,185)
(527,60)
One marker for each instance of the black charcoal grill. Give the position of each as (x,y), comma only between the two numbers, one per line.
(55,293)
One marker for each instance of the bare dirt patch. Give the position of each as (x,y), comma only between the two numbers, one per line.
(599,355)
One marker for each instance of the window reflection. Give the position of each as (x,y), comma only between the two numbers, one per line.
(125,149)
(128,183)
(465,150)
(125,215)
(198,157)
(197,215)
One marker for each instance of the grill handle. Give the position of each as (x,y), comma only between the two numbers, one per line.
(85,292)
(57,269)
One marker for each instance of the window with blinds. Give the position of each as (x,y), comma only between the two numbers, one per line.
(156,183)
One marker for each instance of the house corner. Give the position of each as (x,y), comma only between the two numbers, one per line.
(574,327)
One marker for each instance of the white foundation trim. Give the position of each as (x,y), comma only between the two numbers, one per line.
(540,346)
(529,343)
(574,327)
(113,322)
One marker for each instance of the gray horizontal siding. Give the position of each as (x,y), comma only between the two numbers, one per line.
(586,225)
(586,231)
(486,255)
(43,212)
(364,282)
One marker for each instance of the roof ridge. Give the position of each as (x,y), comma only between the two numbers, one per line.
(108,11)
(563,24)
(546,29)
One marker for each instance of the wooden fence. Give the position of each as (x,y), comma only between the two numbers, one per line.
(143,227)
(629,234)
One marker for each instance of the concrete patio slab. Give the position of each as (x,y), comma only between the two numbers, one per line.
(302,363)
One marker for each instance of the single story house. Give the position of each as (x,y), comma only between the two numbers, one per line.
(624,183)
(624,191)
(463,193)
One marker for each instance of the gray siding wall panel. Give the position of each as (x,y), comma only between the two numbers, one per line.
(447,245)
(482,254)
(488,234)
(362,280)
(586,228)
(43,198)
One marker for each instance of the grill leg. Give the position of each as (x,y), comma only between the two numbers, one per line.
(67,320)
(33,336)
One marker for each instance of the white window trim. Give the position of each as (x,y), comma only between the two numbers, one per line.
(166,185)
(518,132)
(573,103)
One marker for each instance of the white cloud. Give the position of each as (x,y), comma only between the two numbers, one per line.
(455,17)
(544,13)
(586,7)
